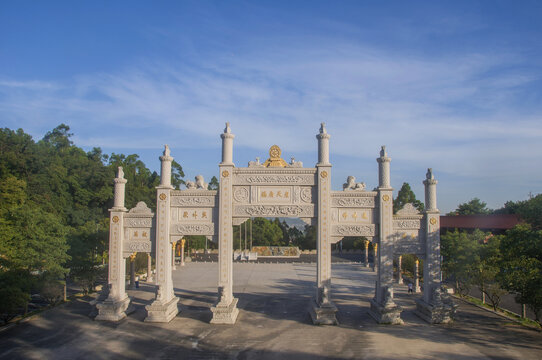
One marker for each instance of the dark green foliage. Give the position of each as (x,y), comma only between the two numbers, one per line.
(521,267)
(405,196)
(461,258)
(213,184)
(529,210)
(473,207)
(54,201)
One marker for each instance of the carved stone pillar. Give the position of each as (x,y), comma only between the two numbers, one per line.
(227,146)
(436,306)
(416,288)
(323,146)
(322,309)
(149,268)
(183,241)
(384,169)
(375,256)
(132,271)
(383,308)
(173,248)
(366,262)
(164,308)
(225,309)
(399,272)
(117,304)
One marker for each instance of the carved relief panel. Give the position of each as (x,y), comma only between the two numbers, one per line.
(139,230)
(193,212)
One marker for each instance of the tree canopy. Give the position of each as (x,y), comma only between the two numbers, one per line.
(405,196)
(473,207)
(54,201)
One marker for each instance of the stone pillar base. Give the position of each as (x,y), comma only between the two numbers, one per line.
(160,312)
(102,296)
(440,313)
(323,314)
(110,310)
(389,313)
(225,314)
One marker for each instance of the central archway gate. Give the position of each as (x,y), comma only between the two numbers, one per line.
(276,188)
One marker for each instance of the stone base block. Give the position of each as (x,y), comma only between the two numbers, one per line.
(389,313)
(162,312)
(102,296)
(442,313)
(225,314)
(323,314)
(110,310)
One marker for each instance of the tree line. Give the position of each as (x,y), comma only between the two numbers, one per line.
(54,201)
(498,264)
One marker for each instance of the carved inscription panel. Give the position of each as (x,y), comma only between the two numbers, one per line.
(137,240)
(275,194)
(352,216)
(183,215)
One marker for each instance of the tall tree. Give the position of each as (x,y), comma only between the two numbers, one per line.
(473,207)
(521,268)
(529,210)
(405,196)
(461,258)
(213,184)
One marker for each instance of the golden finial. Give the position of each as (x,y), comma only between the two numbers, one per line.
(274,158)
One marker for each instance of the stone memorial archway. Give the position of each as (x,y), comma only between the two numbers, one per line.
(276,188)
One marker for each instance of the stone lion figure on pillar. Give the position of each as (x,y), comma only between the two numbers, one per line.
(200,183)
(351,184)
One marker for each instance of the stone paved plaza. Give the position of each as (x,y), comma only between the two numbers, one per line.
(273,323)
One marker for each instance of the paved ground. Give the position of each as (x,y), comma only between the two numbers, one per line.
(273,324)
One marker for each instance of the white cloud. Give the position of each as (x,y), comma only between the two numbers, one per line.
(445,112)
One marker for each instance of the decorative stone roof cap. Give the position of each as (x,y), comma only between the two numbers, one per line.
(274,158)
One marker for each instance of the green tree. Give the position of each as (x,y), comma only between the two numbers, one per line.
(405,196)
(473,207)
(213,184)
(461,258)
(264,233)
(521,267)
(177,174)
(529,210)
(485,276)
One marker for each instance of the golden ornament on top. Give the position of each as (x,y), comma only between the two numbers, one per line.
(323,174)
(225,173)
(385,197)
(115,219)
(163,196)
(274,158)
(433,221)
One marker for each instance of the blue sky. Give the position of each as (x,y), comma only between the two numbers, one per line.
(456,86)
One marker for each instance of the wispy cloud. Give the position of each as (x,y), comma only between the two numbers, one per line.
(441,111)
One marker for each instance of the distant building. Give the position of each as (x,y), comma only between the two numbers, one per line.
(494,223)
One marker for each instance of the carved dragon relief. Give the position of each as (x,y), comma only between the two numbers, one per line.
(193,229)
(406,224)
(274,210)
(192,201)
(354,230)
